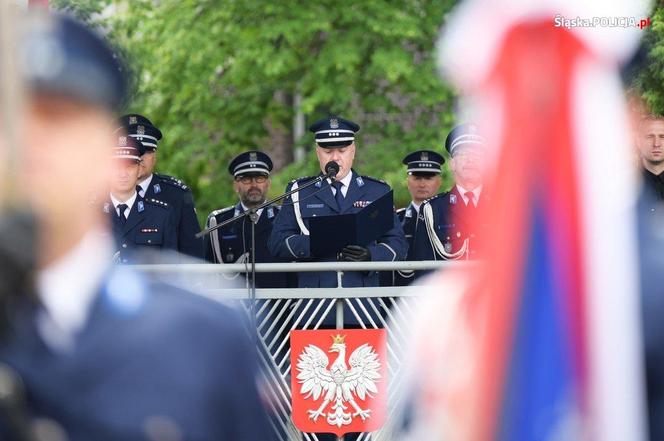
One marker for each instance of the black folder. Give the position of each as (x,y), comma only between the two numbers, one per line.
(329,234)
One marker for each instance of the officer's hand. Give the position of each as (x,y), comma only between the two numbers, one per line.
(354,253)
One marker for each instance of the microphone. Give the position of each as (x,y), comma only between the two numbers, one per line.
(331,169)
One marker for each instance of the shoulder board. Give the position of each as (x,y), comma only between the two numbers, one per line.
(221,210)
(177,183)
(380,181)
(156,202)
(304,178)
(401,210)
(433,198)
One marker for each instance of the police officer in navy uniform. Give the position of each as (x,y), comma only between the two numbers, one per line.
(443,228)
(424,179)
(105,352)
(138,223)
(350,192)
(232,243)
(163,187)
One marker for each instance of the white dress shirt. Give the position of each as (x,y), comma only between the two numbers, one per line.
(129,202)
(345,181)
(67,288)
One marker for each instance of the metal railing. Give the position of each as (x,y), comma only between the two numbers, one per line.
(278,311)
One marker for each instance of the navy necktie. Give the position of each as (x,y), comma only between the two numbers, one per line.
(338,196)
(121,213)
(139,190)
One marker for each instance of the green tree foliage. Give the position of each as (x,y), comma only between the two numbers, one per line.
(220,77)
(649,78)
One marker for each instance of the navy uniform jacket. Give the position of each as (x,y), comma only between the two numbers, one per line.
(150,226)
(178,195)
(149,352)
(290,239)
(450,221)
(233,242)
(408,219)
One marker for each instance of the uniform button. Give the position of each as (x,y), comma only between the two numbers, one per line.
(124,245)
(149,241)
(652,209)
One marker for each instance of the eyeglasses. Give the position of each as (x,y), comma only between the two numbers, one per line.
(248,179)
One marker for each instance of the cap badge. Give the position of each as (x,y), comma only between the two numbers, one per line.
(334,123)
(123,140)
(472,128)
(424,156)
(253,156)
(133,120)
(140,130)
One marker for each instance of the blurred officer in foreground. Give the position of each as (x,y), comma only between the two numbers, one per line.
(163,187)
(106,353)
(424,170)
(650,146)
(232,243)
(349,193)
(138,223)
(443,230)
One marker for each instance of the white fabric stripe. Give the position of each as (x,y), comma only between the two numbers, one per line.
(242,164)
(614,333)
(134,135)
(319,140)
(462,139)
(296,207)
(214,236)
(425,170)
(256,170)
(394,254)
(289,247)
(335,131)
(426,162)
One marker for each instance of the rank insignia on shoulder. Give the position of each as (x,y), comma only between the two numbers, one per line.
(158,202)
(149,230)
(157,188)
(361,204)
(453,199)
(140,206)
(270,213)
(360,181)
(107,207)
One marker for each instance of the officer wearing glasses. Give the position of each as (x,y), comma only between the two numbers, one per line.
(232,243)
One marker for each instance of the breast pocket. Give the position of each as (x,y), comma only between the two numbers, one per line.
(149,237)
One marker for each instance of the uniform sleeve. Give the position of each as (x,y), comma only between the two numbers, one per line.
(391,246)
(422,248)
(188,228)
(287,241)
(207,243)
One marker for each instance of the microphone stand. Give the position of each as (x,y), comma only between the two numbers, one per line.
(252,214)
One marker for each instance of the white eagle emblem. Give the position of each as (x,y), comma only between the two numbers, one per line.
(339,384)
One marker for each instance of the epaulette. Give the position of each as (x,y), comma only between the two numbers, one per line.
(401,210)
(221,210)
(380,181)
(157,202)
(177,183)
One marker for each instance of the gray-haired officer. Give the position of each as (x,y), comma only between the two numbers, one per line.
(163,187)
(232,243)
(424,178)
(349,193)
(138,223)
(444,223)
(103,351)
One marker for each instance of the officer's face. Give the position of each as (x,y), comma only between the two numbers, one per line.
(468,166)
(343,156)
(57,134)
(423,186)
(125,176)
(650,141)
(252,189)
(148,161)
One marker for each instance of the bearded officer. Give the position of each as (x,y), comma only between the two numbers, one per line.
(104,352)
(349,193)
(163,187)
(138,223)
(423,168)
(446,226)
(232,243)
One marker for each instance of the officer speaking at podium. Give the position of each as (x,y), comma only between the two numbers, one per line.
(349,192)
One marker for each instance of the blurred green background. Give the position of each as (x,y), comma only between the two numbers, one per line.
(221,77)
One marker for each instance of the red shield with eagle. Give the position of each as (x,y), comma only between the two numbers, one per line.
(339,380)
